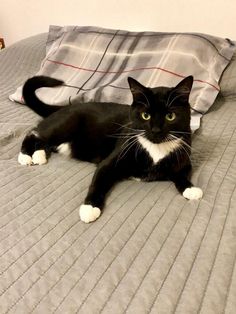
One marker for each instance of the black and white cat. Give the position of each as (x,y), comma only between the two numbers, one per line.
(149,140)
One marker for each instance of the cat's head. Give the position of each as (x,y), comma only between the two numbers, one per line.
(161,111)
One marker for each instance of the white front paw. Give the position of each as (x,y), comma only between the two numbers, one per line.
(24,159)
(193,193)
(39,157)
(88,213)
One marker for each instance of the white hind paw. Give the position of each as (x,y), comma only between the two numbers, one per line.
(24,159)
(39,157)
(193,193)
(64,149)
(88,213)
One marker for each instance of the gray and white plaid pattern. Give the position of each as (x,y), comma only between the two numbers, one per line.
(95,63)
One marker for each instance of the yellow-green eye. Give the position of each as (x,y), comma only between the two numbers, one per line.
(146,116)
(170,116)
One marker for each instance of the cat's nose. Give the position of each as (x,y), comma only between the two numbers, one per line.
(156,130)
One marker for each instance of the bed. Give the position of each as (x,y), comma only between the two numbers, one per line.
(151,251)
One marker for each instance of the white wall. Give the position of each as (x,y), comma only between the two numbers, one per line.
(22,18)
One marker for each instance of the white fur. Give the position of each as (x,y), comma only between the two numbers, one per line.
(39,157)
(34,133)
(88,213)
(136,179)
(158,151)
(193,193)
(64,149)
(24,159)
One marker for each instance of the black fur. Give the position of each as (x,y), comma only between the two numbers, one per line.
(32,101)
(106,134)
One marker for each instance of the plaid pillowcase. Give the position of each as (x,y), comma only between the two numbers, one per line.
(95,63)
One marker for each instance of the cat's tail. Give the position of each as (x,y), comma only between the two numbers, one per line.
(32,101)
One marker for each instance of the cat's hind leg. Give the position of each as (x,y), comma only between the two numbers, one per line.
(33,150)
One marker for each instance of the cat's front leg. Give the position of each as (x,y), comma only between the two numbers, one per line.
(108,173)
(184,185)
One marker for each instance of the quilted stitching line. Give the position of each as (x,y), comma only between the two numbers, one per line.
(7,172)
(72,226)
(81,253)
(10,265)
(59,222)
(20,177)
(27,175)
(15,243)
(38,240)
(29,208)
(213,129)
(205,228)
(179,252)
(233,269)
(136,256)
(38,175)
(128,241)
(219,242)
(157,254)
(87,227)
(101,252)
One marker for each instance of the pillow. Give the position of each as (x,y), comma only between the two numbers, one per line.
(95,63)
(228,79)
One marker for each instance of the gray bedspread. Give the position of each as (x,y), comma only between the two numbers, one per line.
(151,251)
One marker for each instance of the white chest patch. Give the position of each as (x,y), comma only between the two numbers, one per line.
(158,151)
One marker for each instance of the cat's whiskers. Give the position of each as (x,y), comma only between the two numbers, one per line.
(180,150)
(170,140)
(183,145)
(127,140)
(138,148)
(126,146)
(190,147)
(187,145)
(180,132)
(125,127)
(123,135)
(126,149)
(187,152)
(181,139)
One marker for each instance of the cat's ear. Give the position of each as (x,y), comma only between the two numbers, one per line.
(137,89)
(183,89)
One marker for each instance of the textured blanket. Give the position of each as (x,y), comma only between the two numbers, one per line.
(95,63)
(151,251)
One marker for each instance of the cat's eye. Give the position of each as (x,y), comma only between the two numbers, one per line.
(170,116)
(146,116)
